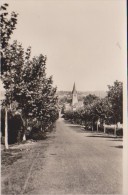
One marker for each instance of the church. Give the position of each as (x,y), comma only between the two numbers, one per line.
(75,103)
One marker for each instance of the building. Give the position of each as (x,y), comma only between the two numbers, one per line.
(74,98)
(76,104)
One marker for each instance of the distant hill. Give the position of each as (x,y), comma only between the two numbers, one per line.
(81,94)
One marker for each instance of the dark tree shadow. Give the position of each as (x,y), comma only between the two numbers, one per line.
(116,139)
(102,136)
(120,146)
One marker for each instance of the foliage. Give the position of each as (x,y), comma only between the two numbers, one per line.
(37,134)
(7,25)
(25,78)
(106,110)
(64,99)
(89,99)
(115,97)
(13,66)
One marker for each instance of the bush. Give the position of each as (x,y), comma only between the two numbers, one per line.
(36,133)
(119,132)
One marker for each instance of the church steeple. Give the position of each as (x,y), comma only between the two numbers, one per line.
(74,89)
(74,96)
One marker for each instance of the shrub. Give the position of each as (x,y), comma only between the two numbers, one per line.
(36,133)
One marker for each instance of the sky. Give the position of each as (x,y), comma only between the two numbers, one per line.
(84,40)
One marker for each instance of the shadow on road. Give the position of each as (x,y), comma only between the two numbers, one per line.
(116,139)
(71,125)
(75,127)
(101,136)
(120,146)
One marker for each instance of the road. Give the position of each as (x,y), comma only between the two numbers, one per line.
(71,161)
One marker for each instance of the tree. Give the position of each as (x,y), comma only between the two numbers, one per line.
(89,99)
(115,97)
(12,77)
(25,79)
(37,97)
(101,111)
(47,111)
(7,25)
(28,92)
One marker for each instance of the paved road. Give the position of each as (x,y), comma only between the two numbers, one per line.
(75,162)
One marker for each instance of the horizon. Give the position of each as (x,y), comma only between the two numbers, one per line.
(81,91)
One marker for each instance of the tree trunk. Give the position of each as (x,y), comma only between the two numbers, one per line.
(104,128)
(115,129)
(6,128)
(42,127)
(92,127)
(97,126)
(25,122)
(24,137)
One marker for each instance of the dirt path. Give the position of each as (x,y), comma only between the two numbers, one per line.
(70,161)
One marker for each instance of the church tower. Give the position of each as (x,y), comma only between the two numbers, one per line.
(74,97)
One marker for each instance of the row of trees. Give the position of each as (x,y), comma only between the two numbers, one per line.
(27,86)
(108,110)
